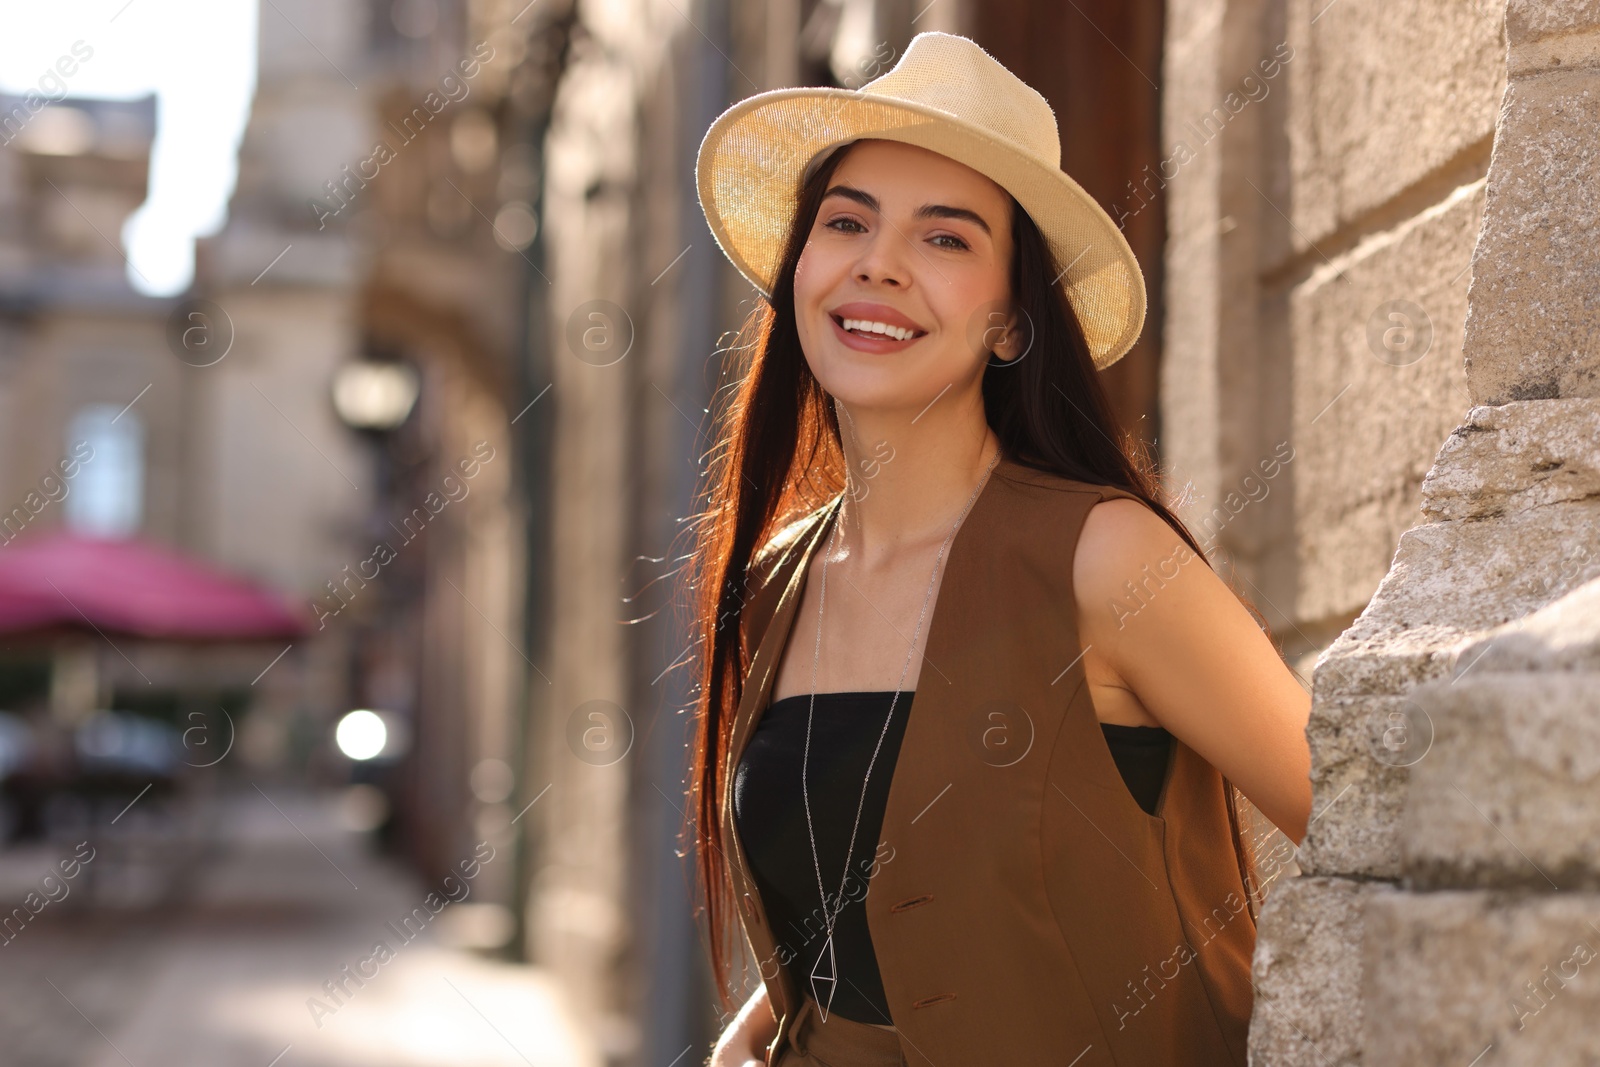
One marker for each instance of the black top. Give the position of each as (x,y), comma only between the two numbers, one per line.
(770,814)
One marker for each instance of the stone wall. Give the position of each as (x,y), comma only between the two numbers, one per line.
(1448,910)
(1326,166)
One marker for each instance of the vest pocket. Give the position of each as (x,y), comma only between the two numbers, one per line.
(935,999)
(907,905)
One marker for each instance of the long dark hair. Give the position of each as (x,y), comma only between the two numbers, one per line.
(777,456)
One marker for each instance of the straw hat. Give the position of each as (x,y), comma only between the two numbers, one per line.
(945,94)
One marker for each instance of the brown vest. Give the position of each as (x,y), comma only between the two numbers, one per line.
(1024,909)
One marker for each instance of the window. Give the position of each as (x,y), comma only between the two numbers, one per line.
(108,497)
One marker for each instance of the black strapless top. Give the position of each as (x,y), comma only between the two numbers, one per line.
(771,819)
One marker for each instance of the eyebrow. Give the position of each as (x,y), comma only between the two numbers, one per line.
(926,211)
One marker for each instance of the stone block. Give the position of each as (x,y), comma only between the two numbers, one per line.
(1516,456)
(1529,20)
(1506,793)
(1307,973)
(1565,46)
(1564,635)
(1378,386)
(1369,729)
(1379,104)
(1358,787)
(1452,979)
(1532,332)
(1451,581)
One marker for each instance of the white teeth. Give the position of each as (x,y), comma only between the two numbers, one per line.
(895,332)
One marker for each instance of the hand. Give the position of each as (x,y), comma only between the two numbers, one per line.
(744,1042)
(736,1049)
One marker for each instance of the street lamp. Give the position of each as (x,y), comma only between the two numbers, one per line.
(370,395)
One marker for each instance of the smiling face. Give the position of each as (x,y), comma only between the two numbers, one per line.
(897,287)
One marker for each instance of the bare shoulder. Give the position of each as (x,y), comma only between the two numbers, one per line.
(1159,624)
(1119,539)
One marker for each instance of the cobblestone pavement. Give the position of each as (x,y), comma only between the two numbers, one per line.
(233,974)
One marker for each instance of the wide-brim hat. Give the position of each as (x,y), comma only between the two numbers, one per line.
(948,95)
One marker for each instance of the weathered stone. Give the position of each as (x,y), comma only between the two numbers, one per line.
(1358,789)
(1557,50)
(1516,456)
(1506,794)
(1527,20)
(1307,973)
(1385,662)
(1533,332)
(1450,580)
(1378,383)
(1562,636)
(1378,105)
(1450,975)
(1441,612)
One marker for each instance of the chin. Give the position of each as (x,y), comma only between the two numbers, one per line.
(862,389)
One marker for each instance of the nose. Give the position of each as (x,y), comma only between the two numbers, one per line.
(884,259)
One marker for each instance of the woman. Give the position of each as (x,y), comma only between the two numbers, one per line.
(919,369)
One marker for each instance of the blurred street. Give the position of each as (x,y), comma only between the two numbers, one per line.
(228,974)
(372,387)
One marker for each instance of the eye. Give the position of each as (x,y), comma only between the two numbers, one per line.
(959,245)
(834,223)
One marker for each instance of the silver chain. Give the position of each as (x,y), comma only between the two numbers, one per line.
(822,600)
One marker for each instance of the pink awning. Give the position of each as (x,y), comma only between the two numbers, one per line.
(133,587)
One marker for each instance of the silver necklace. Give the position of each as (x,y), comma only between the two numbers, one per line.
(825,972)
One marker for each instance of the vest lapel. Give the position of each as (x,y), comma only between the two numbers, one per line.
(763,665)
(789,576)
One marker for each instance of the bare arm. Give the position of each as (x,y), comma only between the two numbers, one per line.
(745,1040)
(1191,654)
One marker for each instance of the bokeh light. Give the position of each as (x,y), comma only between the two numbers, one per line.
(361,735)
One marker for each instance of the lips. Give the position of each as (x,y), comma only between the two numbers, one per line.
(871,311)
(872,343)
(860,313)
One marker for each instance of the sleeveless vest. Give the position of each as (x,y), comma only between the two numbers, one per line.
(1024,909)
